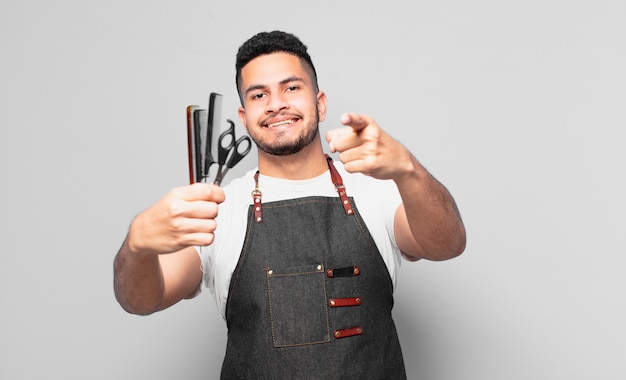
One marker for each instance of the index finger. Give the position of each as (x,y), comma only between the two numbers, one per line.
(200,192)
(357,122)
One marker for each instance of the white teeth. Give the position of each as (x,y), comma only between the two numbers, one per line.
(280,123)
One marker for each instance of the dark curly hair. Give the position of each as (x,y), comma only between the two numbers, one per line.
(272,42)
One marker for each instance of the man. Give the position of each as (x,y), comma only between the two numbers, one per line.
(303,270)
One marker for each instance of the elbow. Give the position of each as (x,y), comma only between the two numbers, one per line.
(457,244)
(448,249)
(139,312)
(136,308)
(135,303)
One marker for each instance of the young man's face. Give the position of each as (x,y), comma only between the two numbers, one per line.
(281,109)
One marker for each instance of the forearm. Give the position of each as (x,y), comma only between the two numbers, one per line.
(430,214)
(138,281)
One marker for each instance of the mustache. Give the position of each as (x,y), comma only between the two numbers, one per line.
(266,120)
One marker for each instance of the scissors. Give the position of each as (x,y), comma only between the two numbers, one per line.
(230,151)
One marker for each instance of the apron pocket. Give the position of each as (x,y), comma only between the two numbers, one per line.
(297,305)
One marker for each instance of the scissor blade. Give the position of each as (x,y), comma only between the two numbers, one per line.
(221,172)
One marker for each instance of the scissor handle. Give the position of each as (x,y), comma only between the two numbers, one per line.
(238,154)
(224,150)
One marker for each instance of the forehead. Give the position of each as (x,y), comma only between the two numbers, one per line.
(272,68)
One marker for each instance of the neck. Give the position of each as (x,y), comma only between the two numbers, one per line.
(310,162)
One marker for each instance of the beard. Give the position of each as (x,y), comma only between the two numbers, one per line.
(285,148)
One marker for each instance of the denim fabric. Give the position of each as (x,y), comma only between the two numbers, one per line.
(280,325)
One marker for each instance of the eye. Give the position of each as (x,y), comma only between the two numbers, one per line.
(257,96)
(292,88)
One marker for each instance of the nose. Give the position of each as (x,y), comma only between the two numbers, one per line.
(276,103)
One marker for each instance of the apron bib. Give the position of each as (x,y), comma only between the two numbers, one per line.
(310,297)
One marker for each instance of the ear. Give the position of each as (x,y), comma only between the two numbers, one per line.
(242,117)
(322,105)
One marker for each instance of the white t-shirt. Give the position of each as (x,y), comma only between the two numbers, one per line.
(376,200)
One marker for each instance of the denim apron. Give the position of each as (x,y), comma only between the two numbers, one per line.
(310,297)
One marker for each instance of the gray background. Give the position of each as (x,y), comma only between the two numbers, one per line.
(518,107)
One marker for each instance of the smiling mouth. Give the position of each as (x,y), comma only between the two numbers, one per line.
(280,123)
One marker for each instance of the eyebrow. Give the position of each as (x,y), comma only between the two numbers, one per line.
(290,79)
